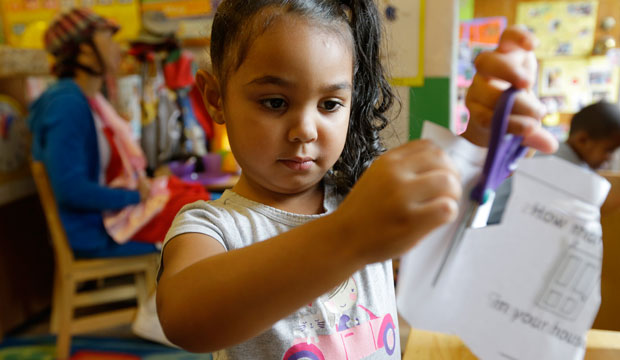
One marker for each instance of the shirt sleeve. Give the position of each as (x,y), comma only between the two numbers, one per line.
(66,135)
(199,217)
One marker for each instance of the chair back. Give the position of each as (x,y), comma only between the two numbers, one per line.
(62,250)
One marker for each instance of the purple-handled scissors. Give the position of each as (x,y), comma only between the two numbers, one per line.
(504,152)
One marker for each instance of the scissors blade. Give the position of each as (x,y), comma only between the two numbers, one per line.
(468,218)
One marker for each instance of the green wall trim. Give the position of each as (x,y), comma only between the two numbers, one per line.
(429,102)
(466,9)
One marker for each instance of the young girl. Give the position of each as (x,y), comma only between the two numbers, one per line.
(281,266)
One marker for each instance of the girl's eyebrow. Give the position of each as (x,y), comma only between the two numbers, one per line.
(274,80)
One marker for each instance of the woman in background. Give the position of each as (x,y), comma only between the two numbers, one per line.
(95,167)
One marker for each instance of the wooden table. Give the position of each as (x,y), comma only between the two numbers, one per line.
(217,187)
(220,187)
(426,345)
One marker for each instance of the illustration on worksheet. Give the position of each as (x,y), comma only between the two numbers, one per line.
(572,282)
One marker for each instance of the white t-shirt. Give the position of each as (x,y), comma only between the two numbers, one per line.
(356,320)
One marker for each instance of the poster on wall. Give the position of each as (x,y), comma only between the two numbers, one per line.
(25,21)
(193,17)
(475,36)
(564,28)
(568,84)
(404,33)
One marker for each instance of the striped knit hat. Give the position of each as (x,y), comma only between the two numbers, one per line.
(74,27)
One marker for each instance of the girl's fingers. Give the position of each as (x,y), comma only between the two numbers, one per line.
(481,113)
(433,159)
(521,125)
(420,156)
(516,38)
(434,213)
(485,91)
(542,140)
(435,184)
(525,104)
(503,66)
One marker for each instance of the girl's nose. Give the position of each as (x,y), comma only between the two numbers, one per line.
(304,128)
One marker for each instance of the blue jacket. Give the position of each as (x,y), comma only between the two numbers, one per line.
(65,140)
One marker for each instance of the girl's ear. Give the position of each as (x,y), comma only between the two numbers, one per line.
(211,95)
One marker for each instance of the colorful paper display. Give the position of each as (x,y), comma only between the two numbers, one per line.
(193,17)
(178,8)
(475,36)
(25,21)
(568,84)
(563,28)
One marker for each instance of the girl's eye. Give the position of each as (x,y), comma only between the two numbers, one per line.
(274,104)
(331,105)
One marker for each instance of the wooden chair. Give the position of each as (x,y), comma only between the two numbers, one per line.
(70,273)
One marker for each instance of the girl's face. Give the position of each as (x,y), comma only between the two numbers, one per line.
(287,109)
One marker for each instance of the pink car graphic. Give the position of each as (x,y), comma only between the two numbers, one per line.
(350,343)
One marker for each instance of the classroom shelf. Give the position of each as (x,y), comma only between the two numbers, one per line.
(22,62)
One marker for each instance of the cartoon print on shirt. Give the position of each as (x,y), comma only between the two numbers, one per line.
(341,303)
(311,322)
(345,337)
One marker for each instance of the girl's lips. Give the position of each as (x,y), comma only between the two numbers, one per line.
(298,164)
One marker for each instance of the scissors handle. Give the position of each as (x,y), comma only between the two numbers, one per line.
(504,149)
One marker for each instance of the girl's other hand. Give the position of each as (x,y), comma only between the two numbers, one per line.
(404,195)
(512,63)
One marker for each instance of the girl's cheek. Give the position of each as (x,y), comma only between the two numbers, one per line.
(353,296)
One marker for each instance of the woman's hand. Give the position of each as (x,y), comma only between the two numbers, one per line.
(144,187)
(512,63)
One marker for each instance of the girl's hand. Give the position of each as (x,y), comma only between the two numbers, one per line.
(512,63)
(405,194)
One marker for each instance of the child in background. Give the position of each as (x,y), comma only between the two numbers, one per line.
(593,137)
(298,252)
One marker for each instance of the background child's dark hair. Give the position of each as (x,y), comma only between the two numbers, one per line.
(236,25)
(66,65)
(600,120)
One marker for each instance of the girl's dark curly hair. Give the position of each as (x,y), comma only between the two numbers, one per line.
(236,26)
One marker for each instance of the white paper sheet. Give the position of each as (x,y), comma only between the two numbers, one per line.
(528,288)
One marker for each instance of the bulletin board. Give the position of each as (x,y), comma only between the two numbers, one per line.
(178,8)
(563,28)
(194,17)
(569,84)
(404,39)
(509,9)
(25,21)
